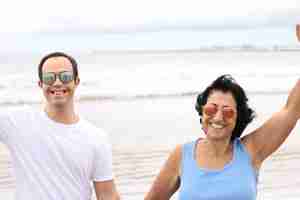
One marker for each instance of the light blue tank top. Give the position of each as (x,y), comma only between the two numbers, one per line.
(236,181)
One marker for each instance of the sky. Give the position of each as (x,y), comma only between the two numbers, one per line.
(22,21)
(143,15)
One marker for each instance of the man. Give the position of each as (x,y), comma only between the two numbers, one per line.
(56,154)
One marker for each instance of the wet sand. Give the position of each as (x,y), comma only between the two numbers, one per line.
(144,131)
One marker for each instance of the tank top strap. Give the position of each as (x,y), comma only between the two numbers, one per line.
(187,154)
(188,162)
(243,156)
(240,151)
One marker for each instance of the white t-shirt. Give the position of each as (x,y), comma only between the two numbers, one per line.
(54,161)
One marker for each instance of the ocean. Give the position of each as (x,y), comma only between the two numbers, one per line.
(132,75)
(145,102)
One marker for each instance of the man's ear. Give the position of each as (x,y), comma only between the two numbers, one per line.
(77,81)
(40,84)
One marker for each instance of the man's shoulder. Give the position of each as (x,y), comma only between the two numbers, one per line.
(92,129)
(18,112)
(16,120)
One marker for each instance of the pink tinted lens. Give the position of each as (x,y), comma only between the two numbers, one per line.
(228,113)
(210,110)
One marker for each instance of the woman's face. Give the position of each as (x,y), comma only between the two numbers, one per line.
(219,115)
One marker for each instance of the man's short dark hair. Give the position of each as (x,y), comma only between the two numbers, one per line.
(226,83)
(58,54)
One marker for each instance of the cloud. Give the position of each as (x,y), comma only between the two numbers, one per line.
(115,16)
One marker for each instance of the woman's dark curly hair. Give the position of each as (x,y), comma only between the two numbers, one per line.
(226,83)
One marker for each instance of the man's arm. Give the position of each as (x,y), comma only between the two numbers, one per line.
(7,123)
(106,190)
(298,32)
(103,180)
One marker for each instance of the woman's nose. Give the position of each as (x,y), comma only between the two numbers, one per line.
(219,115)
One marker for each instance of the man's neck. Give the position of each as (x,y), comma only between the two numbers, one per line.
(65,115)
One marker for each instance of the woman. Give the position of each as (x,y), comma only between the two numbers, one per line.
(223,166)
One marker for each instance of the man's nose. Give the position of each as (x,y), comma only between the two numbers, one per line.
(57,81)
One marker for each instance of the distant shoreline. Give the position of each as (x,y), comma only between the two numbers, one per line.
(139,97)
(87,55)
(195,50)
(213,48)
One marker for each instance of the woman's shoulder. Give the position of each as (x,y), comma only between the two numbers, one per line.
(176,152)
(180,151)
(182,148)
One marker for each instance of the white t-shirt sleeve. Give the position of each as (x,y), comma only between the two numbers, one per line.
(10,120)
(103,161)
(6,126)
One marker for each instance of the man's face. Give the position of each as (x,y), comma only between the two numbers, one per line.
(58,94)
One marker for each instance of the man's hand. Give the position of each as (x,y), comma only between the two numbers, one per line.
(106,190)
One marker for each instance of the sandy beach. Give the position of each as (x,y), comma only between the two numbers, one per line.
(144,131)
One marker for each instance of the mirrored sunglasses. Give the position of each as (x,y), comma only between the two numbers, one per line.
(65,77)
